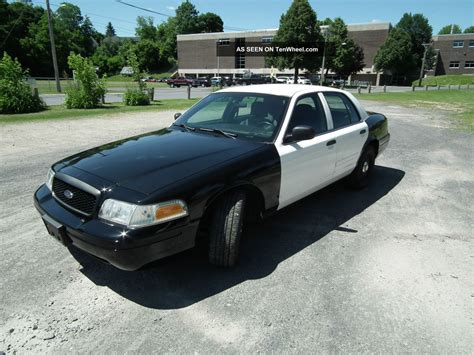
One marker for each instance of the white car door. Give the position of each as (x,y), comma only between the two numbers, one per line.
(306,166)
(350,132)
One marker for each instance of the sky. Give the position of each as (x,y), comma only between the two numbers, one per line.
(260,14)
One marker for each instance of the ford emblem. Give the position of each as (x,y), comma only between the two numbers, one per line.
(68,194)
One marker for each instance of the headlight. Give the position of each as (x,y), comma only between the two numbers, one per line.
(141,216)
(49,179)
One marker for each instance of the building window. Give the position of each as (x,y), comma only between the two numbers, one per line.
(458,44)
(267,39)
(223,42)
(454,65)
(469,64)
(240,57)
(471,43)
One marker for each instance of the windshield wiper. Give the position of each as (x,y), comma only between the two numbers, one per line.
(192,129)
(222,133)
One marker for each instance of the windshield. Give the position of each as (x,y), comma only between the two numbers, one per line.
(250,116)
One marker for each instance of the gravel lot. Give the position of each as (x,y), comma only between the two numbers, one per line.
(387,269)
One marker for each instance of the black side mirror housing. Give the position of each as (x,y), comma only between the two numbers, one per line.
(300,133)
(176,115)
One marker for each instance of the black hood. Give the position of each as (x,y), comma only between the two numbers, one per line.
(151,161)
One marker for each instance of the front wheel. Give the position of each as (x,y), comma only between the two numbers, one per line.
(226,229)
(359,178)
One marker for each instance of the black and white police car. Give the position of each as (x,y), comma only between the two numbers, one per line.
(244,149)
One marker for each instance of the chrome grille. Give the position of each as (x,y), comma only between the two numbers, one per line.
(73,197)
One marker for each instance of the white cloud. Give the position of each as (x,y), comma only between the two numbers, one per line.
(376,20)
(171,8)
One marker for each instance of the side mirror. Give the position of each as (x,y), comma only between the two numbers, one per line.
(300,133)
(176,115)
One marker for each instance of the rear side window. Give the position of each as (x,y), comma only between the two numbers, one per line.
(342,109)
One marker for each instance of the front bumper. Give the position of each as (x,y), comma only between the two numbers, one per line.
(126,249)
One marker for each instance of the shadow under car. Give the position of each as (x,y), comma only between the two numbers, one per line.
(186,278)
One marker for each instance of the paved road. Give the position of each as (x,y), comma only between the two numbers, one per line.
(160,94)
(387,269)
(181,93)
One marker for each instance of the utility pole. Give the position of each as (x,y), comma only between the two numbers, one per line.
(422,71)
(325,32)
(53,47)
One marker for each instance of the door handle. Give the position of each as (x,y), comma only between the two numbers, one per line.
(331,142)
(363,131)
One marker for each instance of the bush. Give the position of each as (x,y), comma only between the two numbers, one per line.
(87,90)
(15,93)
(136,97)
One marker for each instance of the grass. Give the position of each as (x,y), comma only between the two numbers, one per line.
(60,112)
(447,80)
(458,102)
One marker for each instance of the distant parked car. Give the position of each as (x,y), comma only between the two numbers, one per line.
(338,83)
(253,79)
(180,81)
(216,80)
(202,81)
(164,80)
(301,80)
(149,79)
(228,81)
(281,79)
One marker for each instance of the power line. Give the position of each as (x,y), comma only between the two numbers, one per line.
(162,14)
(142,8)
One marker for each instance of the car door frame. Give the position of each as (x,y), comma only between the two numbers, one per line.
(288,192)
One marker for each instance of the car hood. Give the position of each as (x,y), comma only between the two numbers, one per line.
(151,161)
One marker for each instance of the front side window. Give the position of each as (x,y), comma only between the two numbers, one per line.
(342,109)
(308,111)
(471,43)
(458,44)
(250,116)
(469,64)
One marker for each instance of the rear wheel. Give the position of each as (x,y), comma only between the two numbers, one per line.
(226,229)
(361,174)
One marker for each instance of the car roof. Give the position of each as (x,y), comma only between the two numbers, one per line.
(280,89)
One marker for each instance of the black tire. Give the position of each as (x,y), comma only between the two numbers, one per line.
(360,177)
(226,229)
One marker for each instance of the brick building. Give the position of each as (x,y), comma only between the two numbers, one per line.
(197,52)
(455,54)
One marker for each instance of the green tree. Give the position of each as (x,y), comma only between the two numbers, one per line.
(344,56)
(87,90)
(110,30)
(15,93)
(108,57)
(167,34)
(469,29)
(297,26)
(419,30)
(72,31)
(16,19)
(186,18)
(210,22)
(450,29)
(396,53)
(146,30)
